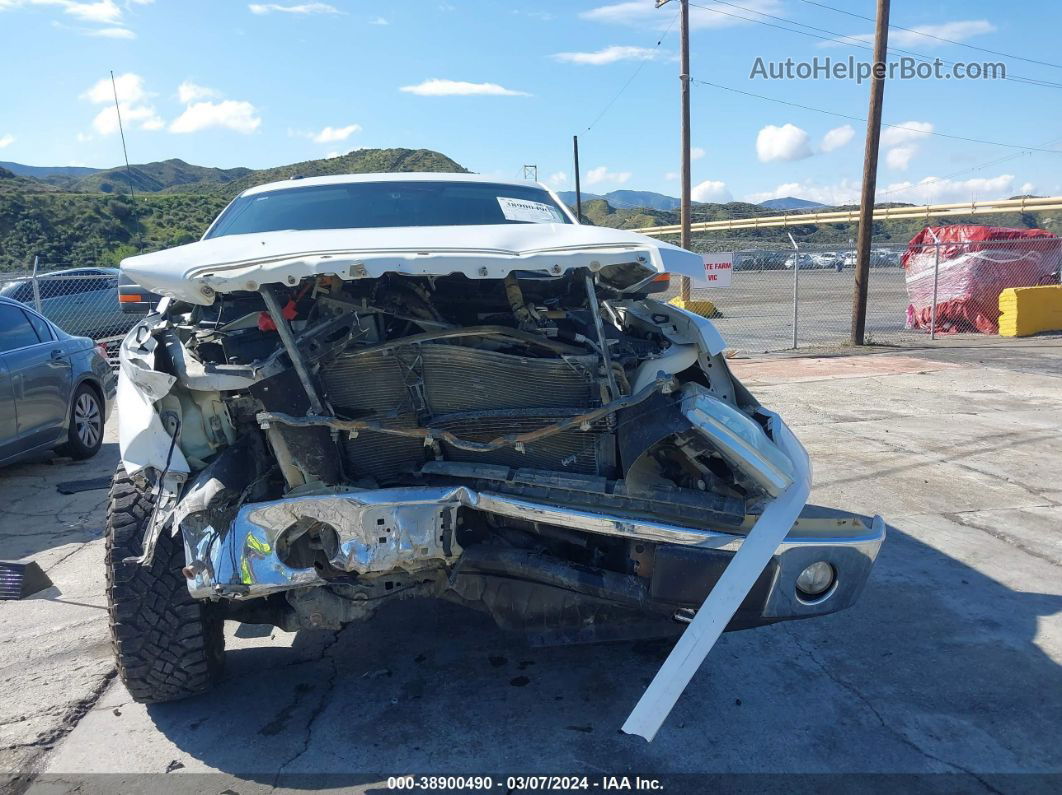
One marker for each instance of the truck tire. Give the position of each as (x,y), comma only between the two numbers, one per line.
(166,644)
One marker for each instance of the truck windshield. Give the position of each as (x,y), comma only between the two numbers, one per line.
(383,204)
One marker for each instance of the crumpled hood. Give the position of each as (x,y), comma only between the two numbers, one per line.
(195,272)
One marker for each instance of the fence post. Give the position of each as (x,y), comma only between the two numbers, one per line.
(933,310)
(796,287)
(36,286)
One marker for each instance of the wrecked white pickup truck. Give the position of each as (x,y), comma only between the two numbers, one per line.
(366,388)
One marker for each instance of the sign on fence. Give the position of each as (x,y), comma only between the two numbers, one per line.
(718,266)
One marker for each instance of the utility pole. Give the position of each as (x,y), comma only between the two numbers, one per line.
(684,78)
(870,176)
(578,188)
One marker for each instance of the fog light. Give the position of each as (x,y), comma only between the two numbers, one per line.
(815,580)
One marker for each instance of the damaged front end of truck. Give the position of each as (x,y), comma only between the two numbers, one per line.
(518,426)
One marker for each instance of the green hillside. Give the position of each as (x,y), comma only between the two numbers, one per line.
(12,183)
(175,202)
(152,178)
(360,161)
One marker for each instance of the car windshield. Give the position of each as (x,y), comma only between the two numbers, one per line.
(384,204)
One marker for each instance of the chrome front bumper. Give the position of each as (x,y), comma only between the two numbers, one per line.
(408,529)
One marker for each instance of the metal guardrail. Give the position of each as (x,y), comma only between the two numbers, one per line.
(927,211)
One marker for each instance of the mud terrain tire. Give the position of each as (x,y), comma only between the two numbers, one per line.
(167,645)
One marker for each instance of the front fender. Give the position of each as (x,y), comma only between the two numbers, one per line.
(143,439)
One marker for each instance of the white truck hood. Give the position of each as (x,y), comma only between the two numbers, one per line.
(195,272)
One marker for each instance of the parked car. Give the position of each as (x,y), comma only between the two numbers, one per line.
(134,299)
(55,389)
(81,301)
(367,388)
(803,261)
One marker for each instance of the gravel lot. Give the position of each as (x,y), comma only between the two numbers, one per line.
(949,664)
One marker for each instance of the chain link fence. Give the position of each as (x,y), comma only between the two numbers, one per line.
(81,301)
(782,298)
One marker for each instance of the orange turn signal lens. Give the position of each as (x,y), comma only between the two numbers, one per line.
(129,298)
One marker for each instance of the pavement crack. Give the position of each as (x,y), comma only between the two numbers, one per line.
(47,740)
(959,518)
(322,702)
(898,734)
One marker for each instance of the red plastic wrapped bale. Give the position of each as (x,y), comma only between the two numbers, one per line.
(976,264)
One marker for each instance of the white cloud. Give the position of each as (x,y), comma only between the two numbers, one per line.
(711,191)
(6,140)
(899,157)
(100,12)
(696,153)
(242,117)
(557,180)
(902,141)
(333,155)
(932,190)
(906,132)
(642,14)
(301,8)
(132,100)
(601,175)
(111,33)
(436,87)
(671,175)
(929,190)
(130,88)
(379,21)
(607,55)
(83,137)
(837,137)
(787,142)
(330,135)
(190,92)
(959,30)
(105,12)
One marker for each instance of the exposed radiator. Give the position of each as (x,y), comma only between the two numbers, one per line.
(475,394)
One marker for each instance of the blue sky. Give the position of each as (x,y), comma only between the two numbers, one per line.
(498,84)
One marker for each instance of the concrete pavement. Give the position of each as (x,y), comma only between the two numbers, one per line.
(950,663)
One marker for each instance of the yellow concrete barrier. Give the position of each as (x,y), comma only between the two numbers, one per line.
(1030,310)
(697,307)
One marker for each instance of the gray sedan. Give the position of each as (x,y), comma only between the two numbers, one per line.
(55,389)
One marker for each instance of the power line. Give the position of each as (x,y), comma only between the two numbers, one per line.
(863,119)
(938,38)
(630,79)
(835,37)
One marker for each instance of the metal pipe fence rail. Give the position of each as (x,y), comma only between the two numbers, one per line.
(783,298)
(81,301)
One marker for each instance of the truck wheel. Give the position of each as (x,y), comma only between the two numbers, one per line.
(167,645)
(84,436)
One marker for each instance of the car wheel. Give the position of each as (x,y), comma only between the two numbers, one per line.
(85,434)
(166,644)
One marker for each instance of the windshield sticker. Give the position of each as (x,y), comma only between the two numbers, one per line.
(533,212)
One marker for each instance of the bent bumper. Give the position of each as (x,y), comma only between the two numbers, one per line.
(411,529)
